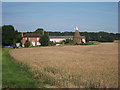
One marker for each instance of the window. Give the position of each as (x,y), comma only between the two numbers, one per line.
(38,39)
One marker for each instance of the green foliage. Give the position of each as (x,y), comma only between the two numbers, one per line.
(100,36)
(14,43)
(39,30)
(20,44)
(16,75)
(91,36)
(105,37)
(61,33)
(9,35)
(27,43)
(44,40)
(51,43)
(67,41)
(90,43)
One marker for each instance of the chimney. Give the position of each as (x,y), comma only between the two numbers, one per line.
(21,34)
(43,32)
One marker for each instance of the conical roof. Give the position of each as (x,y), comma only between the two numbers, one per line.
(76,37)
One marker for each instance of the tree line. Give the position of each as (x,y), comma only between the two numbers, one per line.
(91,36)
(10,36)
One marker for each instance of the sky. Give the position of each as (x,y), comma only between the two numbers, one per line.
(61,16)
(60,0)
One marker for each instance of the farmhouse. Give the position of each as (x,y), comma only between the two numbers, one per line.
(33,38)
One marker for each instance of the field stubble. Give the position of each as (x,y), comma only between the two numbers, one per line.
(93,66)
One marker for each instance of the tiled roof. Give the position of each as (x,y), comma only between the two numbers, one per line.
(31,35)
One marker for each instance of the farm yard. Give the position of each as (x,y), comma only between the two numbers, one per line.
(86,66)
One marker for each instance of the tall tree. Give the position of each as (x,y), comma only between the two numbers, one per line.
(9,35)
(44,39)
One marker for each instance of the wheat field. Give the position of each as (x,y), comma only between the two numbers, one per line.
(77,66)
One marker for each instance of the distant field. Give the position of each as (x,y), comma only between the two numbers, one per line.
(88,66)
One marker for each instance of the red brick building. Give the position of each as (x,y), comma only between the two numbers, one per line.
(33,38)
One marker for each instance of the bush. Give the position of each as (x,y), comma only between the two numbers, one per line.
(51,43)
(67,41)
(44,40)
(90,43)
(27,43)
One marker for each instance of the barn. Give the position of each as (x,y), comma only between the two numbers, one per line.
(61,38)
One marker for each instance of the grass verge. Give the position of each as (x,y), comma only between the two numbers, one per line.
(0,68)
(15,75)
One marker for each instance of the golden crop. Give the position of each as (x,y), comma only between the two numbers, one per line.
(90,66)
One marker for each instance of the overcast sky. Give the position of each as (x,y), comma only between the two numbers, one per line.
(61,16)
